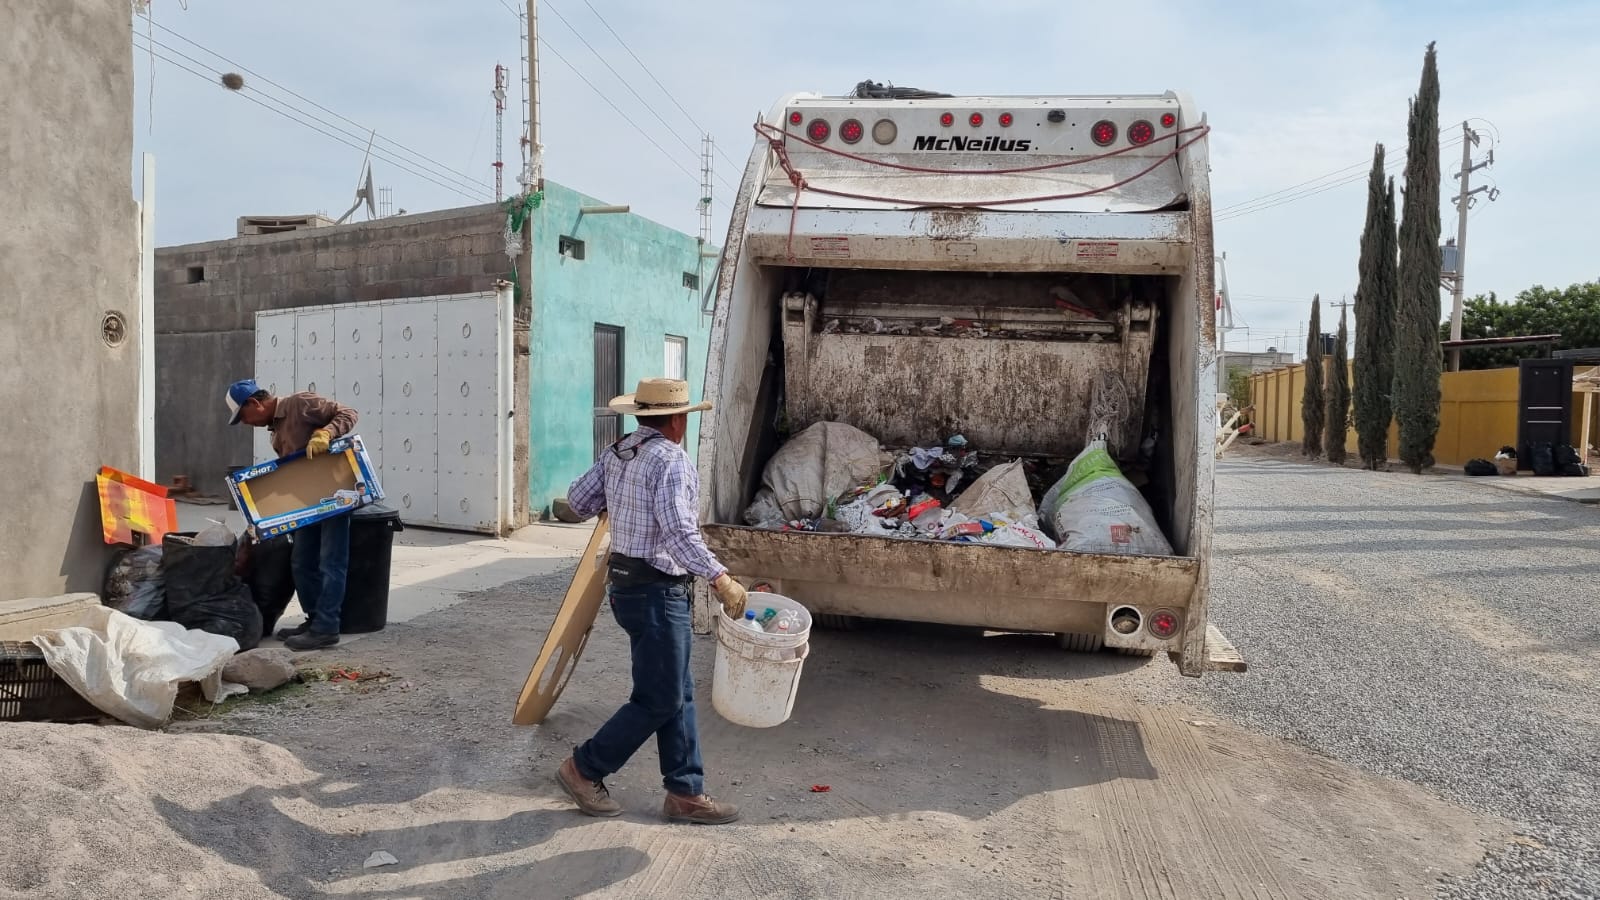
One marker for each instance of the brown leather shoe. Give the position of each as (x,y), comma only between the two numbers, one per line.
(591,796)
(701,810)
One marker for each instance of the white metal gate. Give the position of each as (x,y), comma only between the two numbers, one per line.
(426,376)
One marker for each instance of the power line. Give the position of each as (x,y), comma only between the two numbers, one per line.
(636,95)
(443,169)
(1360,168)
(1260,204)
(287,112)
(625,116)
(657,81)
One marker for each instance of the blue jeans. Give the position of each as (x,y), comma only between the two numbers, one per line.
(656,618)
(321,563)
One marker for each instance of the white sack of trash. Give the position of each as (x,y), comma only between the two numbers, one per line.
(131,670)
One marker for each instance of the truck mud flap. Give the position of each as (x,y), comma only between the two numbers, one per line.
(1221,654)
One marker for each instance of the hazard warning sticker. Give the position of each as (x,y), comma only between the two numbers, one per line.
(1097,251)
(830,247)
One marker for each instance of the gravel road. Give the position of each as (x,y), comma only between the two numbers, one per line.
(1431,629)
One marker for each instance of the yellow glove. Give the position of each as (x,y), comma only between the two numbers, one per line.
(319,443)
(732,593)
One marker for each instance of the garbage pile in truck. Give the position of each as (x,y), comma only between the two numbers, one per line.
(835,478)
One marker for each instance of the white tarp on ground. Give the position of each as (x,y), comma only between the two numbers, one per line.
(131,670)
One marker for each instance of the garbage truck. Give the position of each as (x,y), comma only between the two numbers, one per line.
(916,264)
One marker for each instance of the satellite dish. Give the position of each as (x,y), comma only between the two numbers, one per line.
(364,192)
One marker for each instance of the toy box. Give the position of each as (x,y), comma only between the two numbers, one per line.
(280,496)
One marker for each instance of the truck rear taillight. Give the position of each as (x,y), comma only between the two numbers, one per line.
(1141,132)
(1006,119)
(818,130)
(947,119)
(1168,120)
(1103,133)
(1164,623)
(851,131)
(884,131)
(976,120)
(795,118)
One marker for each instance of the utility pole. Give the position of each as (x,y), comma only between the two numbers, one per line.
(535,144)
(1458,278)
(1223,322)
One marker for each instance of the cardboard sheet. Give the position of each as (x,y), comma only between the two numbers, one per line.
(569,634)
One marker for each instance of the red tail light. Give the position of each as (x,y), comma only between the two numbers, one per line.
(795,118)
(818,130)
(851,131)
(947,119)
(1006,120)
(976,119)
(1163,623)
(1168,120)
(1103,133)
(1141,132)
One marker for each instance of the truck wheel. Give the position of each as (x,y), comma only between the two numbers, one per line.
(1078,642)
(834,622)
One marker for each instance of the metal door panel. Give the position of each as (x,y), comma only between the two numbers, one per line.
(274,369)
(410,410)
(468,423)
(358,371)
(313,352)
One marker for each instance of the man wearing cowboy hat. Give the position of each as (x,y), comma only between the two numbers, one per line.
(649,487)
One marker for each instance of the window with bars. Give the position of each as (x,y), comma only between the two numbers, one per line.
(608,356)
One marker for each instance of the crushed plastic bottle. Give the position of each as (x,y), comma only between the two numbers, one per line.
(767,617)
(785,623)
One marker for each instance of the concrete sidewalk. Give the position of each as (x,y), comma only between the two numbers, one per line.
(432,570)
(1577,490)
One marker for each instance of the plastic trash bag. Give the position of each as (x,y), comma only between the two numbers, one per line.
(1094,509)
(204,592)
(814,467)
(1019,536)
(1002,492)
(133,584)
(215,535)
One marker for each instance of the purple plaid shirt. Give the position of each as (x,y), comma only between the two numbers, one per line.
(654,500)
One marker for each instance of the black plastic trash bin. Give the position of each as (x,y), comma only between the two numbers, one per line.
(366,591)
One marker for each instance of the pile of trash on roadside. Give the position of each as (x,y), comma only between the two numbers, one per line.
(834,478)
(1545,460)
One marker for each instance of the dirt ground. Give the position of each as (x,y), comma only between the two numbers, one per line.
(959,764)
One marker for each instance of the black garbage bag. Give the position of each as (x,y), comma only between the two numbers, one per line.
(269,570)
(204,593)
(1480,467)
(1542,458)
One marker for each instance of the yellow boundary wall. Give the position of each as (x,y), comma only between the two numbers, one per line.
(1477,412)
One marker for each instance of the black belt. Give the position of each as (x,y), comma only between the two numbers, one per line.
(629,571)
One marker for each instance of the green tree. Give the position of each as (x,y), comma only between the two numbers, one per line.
(1572,312)
(1312,403)
(1417,363)
(1336,429)
(1375,302)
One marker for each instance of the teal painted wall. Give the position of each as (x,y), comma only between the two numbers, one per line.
(631,276)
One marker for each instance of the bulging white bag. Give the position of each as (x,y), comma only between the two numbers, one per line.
(1094,509)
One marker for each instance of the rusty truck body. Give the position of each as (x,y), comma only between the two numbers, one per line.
(1073,236)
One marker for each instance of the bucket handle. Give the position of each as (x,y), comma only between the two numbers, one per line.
(803,651)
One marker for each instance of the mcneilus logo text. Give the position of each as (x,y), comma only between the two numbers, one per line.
(991,144)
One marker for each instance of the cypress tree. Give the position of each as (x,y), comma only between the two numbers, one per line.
(1374,368)
(1337,428)
(1417,362)
(1312,403)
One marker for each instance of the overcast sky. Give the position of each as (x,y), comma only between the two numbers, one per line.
(1295,90)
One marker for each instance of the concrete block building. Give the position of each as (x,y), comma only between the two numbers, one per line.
(69,276)
(612,297)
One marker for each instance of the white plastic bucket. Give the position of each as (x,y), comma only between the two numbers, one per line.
(756,675)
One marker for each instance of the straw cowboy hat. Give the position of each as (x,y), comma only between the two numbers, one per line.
(658,397)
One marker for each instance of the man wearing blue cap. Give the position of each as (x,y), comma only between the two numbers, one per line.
(308,422)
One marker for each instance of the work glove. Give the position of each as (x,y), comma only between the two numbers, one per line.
(732,594)
(318,444)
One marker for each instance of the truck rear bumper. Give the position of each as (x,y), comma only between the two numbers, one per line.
(1002,588)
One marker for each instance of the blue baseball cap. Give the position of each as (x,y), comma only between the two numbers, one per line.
(240,393)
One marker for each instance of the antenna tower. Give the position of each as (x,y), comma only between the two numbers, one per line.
(707,147)
(501,82)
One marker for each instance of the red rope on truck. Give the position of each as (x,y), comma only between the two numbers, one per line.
(776,139)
